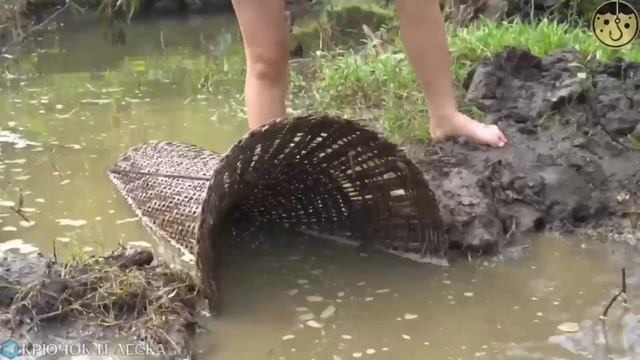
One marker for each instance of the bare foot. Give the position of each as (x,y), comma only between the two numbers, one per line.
(460,125)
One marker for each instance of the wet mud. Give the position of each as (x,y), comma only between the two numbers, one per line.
(122,304)
(572,165)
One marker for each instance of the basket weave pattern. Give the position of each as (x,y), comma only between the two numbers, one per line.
(319,173)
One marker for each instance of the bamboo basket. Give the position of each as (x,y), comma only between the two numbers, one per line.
(319,174)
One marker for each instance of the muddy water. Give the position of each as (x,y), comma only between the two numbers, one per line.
(63,129)
(380,307)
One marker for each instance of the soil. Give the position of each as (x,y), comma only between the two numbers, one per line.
(116,305)
(570,166)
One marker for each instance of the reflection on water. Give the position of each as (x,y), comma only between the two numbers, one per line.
(61,130)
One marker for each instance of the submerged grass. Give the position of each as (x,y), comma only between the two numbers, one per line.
(123,291)
(378,81)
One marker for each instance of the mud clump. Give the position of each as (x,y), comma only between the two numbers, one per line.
(122,298)
(570,166)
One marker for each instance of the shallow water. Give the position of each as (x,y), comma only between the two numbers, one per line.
(61,131)
(381,307)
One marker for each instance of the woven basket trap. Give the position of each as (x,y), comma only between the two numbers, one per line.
(320,174)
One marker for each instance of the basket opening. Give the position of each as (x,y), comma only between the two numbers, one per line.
(292,197)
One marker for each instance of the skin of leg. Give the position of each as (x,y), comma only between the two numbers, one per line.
(422,29)
(265,36)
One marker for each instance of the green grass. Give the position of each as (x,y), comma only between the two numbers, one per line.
(383,85)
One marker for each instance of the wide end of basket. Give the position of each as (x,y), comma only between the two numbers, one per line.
(322,174)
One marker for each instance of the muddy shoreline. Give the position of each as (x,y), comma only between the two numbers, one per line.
(570,167)
(122,304)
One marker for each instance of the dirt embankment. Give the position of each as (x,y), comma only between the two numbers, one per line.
(571,165)
(122,304)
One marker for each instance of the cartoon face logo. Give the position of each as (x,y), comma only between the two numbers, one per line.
(615,23)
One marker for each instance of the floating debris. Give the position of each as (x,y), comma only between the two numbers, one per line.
(40,200)
(341,294)
(65,182)
(9,228)
(410,316)
(314,298)
(328,312)
(569,327)
(301,309)
(288,337)
(142,244)
(314,324)
(29,210)
(368,299)
(346,337)
(132,219)
(303,281)
(468,294)
(371,351)
(87,249)
(406,337)
(15,161)
(316,272)
(69,222)
(292,291)
(357,355)
(63,239)
(96,101)
(362,283)
(27,224)
(382,291)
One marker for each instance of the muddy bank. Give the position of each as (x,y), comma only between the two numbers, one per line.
(124,303)
(570,166)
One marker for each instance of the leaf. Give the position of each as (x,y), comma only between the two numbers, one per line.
(569,327)
(410,316)
(328,312)
(69,222)
(314,324)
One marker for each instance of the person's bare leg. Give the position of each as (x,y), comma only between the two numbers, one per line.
(422,29)
(265,36)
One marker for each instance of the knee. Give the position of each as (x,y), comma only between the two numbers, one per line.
(269,64)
